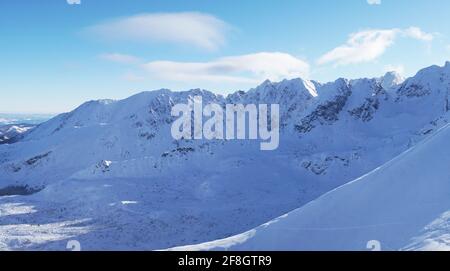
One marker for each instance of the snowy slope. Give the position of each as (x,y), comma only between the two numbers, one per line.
(115,166)
(13,132)
(403,204)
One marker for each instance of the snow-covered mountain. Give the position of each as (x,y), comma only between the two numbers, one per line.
(110,174)
(402,205)
(391,80)
(13,132)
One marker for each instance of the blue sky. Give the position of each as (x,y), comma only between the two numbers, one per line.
(55,55)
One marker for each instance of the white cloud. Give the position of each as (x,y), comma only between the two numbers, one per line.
(74,2)
(400,69)
(374,2)
(192,28)
(361,47)
(120,58)
(251,68)
(368,45)
(417,33)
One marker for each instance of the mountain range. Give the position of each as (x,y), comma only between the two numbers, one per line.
(110,175)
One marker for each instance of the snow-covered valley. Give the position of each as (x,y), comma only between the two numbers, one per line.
(109,174)
(402,205)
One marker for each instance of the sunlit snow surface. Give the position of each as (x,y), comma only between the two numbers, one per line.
(112,177)
(404,205)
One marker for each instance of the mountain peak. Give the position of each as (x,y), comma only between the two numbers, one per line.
(391,79)
(447,67)
(266,82)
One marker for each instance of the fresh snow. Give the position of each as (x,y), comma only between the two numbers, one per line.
(404,205)
(13,132)
(391,80)
(110,175)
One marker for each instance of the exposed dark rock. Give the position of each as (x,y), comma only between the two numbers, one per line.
(19,190)
(37,158)
(324,114)
(366,111)
(413,90)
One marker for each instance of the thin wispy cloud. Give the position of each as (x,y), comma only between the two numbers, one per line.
(400,69)
(120,58)
(374,2)
(74,2)
(417,33)
(187,28)
(368,45)
(251,68)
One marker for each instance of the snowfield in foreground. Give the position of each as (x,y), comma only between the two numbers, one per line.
(404,204)
(109,174)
